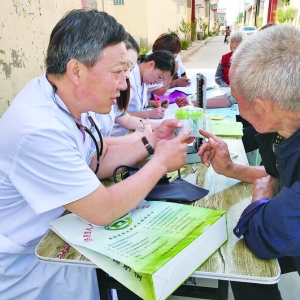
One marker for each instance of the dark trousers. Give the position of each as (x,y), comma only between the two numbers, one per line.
(226,36)
(252,291)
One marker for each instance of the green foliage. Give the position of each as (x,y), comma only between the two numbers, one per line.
(202,24)
(259,21)
(211,33)
(286,2)
(205,36)
(173,31)
(285,14)
(239,18)
(185,27)
(144,49)
(185,44)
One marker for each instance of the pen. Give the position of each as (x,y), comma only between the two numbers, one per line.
(156,101)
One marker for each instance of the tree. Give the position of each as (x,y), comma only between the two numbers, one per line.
(239,18)
(202,24)
(285,14)
(186,28)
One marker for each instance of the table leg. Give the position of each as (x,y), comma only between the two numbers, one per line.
(104,290)
(223,289)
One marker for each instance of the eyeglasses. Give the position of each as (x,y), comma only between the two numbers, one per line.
(161,78)
(87,130)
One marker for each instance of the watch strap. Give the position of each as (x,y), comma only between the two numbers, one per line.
(147,145)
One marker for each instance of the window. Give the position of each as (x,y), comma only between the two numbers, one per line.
(118,2)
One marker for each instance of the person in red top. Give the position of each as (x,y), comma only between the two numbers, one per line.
(221,76)
(227,33)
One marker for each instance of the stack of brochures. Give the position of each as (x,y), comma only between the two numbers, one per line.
(153,249)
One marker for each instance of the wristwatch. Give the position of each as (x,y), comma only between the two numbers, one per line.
(147,145)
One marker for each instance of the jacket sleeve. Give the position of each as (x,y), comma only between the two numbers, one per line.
(219,76)
(271,227)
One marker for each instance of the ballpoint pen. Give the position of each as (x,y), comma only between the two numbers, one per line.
(156,101)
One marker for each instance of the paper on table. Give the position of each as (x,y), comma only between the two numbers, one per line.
(225,111)
(223,128)
(190,89)
(216,117)
(154,241)
(222,91)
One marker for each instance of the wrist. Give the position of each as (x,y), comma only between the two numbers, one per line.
(151,137)
(230,170)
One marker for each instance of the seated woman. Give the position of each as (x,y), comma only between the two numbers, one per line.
(172,43)
(152,69)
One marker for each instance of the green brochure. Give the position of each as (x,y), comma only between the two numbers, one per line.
(151,250)
(223,128)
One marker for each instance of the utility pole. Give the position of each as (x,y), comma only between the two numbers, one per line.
(208,17)
(257,11)
(193,19)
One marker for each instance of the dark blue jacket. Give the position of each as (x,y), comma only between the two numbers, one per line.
(271,227)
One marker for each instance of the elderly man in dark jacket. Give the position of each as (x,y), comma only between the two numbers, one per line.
(264,78)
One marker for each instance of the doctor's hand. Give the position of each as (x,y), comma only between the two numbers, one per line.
(175,147)
(166,130)
(215,152)
(156,113)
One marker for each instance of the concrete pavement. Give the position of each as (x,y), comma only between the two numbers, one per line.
(194,47)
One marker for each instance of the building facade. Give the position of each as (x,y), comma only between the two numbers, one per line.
(26,26)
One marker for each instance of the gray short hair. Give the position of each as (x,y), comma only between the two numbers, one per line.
(268,66)
(236,36)
(82,34)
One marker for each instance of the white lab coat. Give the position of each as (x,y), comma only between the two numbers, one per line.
(107,121)
(43,166)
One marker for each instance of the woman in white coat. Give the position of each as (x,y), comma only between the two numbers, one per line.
(154,68)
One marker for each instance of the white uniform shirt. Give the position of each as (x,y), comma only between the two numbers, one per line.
(138,91)
(107,121)
(138,98)
(43,166)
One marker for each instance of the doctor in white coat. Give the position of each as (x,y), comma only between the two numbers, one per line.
(49,164)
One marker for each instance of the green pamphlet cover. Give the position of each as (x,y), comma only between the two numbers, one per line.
(223,128)
(153,249)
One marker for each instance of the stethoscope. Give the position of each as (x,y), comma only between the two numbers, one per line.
(88,131)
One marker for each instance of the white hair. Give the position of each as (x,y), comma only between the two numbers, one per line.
(268,66)
(236,36)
